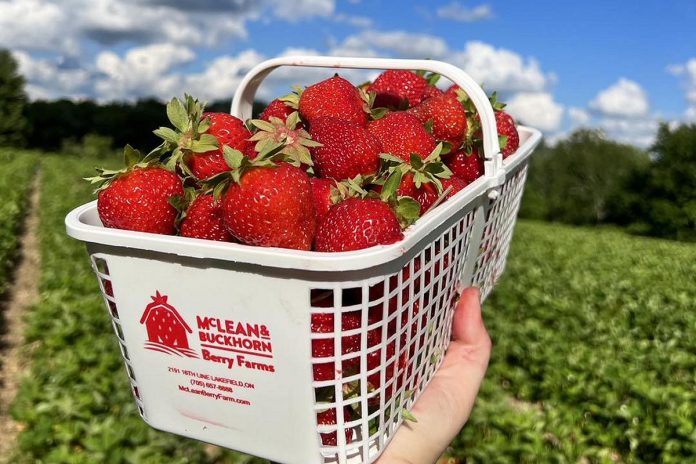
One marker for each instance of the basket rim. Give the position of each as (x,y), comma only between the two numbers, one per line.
(83,223)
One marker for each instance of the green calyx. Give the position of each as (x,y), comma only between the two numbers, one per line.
(239,165)
(188,136)
(293,99)
(132,160)
(368,99)
(497,106)
(352,188)
(284,138)
(182,203)
(428,170)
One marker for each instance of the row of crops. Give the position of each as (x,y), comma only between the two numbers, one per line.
(15,182)
(594,357)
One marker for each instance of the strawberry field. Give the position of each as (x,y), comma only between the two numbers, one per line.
(594,335)
(15,178)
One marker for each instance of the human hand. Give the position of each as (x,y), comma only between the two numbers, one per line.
(445,405)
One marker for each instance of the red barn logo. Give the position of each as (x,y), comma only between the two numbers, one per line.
(167,331)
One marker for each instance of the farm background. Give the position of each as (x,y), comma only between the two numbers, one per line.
(594,320)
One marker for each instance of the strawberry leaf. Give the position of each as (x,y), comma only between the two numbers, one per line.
(416,161)
(432,78)
(391,185)
(177,114)
(131,156)
(167,134)
(407,211)
(233,157)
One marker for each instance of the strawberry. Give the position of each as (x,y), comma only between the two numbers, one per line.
(137,197)
(228,130)
(333,97)
(321,196)
(204,220)
(277,109)
(347,149)
(427,195)
(431,91)
(401,134)
(270,206)
(328,417)
(357,223)
(447,115)
(397,88)
(394,364)
(467,166)
(324,347)
(196,144)
(508,131)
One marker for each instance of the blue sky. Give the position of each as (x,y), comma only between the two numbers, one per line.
(618,66)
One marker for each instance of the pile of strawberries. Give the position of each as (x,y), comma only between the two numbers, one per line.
(331,167)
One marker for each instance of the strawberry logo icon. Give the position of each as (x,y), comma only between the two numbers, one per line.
(167,331)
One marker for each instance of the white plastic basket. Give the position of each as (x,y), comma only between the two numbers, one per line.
(217,337)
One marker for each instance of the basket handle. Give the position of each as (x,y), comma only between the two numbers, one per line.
(244,96)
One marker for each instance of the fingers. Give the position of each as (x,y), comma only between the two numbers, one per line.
(467,324)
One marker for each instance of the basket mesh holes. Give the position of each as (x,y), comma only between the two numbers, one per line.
(136,393)
(124,350)
(321,298)
(131,374)
(119,332)
(101,266)
(142,411)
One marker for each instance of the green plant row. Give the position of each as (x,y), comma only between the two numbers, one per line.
(594,352)
(15,182)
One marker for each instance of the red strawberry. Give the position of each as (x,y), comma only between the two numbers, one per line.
(506,128)
(138,199)
(328,417)
(428,194)
(401,134)
(357,223)
(204,220)
(321,195)
(333,97)
(447,115)
(396,87)
(324,347)
(467,166)
(346,150)
(431,91)
(271,207)
(277,109)
(374,360)
(228,130)
(452,90)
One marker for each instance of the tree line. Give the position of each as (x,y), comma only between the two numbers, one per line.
(585,179)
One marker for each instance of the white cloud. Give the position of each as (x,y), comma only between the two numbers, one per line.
(501,69)
(688,71)
(400,43)
(35,25)
(219,80)
(578,116)
(537,109)
(634,131)
(47,79)
(142,72)
(625,98)
(357,21)
(297,9)
(455,11)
